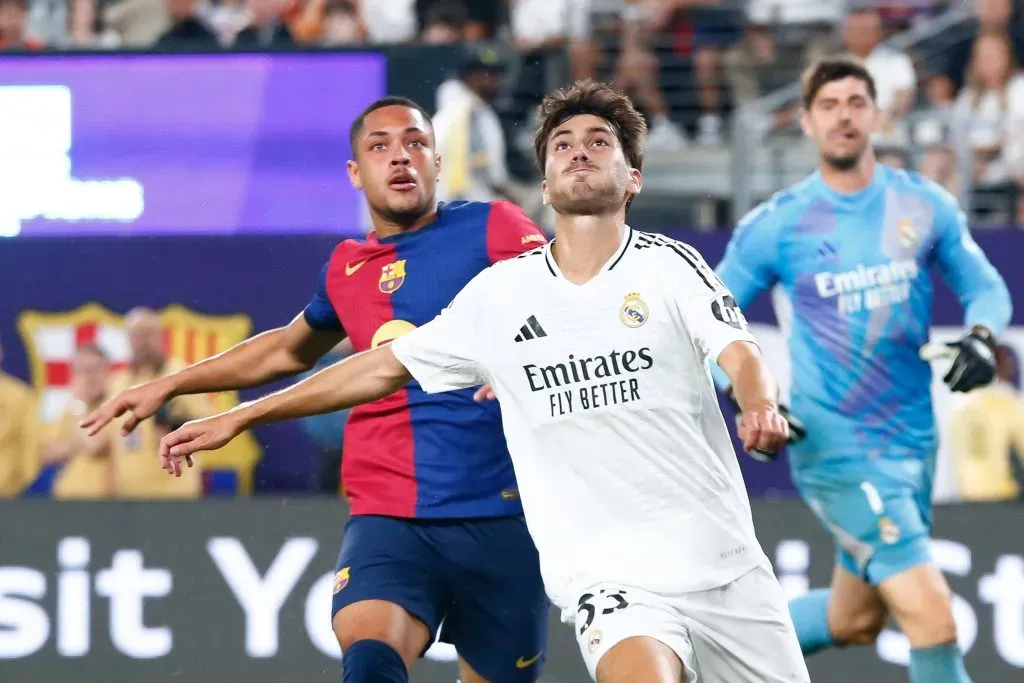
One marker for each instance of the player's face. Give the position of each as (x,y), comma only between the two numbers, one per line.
(585,172)
(395,164)
(146,337)
(89,378)
(840,121)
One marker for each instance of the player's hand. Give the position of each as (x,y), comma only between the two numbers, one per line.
(764,432)
(207,434)
(140,402)
(484,393)
(974,361)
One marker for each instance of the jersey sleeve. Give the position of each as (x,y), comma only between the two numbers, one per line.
(319,312)
(749,264)
(708,309)
(510,232)
(967,270)
(444,354)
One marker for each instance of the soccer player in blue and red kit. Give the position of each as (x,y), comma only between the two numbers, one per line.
(852,246)
(436,531)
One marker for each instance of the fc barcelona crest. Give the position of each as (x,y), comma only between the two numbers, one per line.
(392,276)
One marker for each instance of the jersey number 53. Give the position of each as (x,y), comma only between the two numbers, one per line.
(608,602)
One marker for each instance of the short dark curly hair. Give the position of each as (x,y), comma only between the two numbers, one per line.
(597,99)
(826,71)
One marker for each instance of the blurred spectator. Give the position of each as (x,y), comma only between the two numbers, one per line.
(469,135)
(343,24)
(390,22)
(135,455)
(611,41)
(51,21)
(987,428)
(701,30)
(990,109)
(891,69)
(86,465)
(900,15)
(74,24)
(265,27)
(446,23)
(938,163)
(19,434)
(13,20)
(758,66)
(540,30)
(331,23)
(539,25)
(820,14)
(188,32)
(484,16)
(991,15)
(135,23)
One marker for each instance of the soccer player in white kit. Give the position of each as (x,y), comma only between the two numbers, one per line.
(596,347)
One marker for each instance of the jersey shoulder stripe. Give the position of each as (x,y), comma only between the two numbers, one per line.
(688,254)
(536,251)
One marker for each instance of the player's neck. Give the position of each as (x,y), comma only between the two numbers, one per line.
(583,244)
(386,227)
(853,180)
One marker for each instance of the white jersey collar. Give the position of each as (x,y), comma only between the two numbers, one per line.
(627,239)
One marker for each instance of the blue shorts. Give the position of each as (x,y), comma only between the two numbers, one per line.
(880,522)
(480,577)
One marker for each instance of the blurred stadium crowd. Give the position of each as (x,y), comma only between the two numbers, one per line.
(714,77)
(950,84)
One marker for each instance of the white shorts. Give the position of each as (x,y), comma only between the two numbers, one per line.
(737,633)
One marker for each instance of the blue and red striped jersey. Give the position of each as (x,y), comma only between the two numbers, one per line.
(414,454)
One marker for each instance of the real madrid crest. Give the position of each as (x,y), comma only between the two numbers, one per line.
(593,639)
(634,311)
(888,531)
(907,233)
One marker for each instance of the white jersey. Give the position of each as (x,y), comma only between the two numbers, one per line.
(625,466)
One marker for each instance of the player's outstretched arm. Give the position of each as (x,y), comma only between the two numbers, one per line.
(358,379)
(763,429)
(278,353)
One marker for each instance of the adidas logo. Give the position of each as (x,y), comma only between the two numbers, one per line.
(531,330)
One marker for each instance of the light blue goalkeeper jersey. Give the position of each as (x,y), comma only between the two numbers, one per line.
(855,269)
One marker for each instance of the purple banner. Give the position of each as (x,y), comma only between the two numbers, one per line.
(195,144)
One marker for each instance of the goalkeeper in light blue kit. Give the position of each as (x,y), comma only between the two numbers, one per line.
(851,247)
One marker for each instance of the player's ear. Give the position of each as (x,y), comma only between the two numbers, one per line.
(636,181)
(437,166)
(544,191)
(805,122)
(353,174)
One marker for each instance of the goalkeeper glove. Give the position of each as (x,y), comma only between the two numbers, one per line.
(797,431)
(974,361)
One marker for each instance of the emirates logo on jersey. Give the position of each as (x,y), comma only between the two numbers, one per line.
(616,368)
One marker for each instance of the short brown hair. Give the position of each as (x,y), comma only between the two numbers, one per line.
(826,71)
(597,99)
